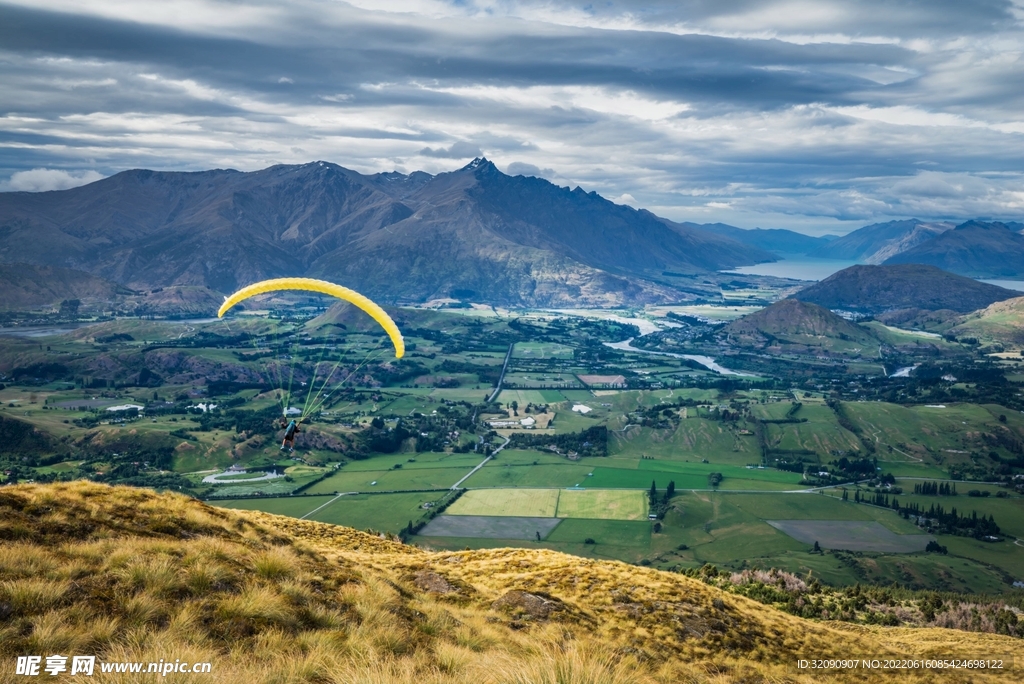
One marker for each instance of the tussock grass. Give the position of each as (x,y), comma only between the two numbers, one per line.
(131,575)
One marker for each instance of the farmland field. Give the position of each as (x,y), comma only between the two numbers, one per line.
(535,503)
(602,504)
(403,432)
(851,535)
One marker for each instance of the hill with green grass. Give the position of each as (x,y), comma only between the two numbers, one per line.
(130,575)
(1001,323)
(794,323)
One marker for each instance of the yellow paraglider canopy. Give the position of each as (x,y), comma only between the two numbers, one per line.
(323,287)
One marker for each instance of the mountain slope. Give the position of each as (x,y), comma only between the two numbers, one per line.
(974,248)
(27,285)
(875,289)
(130,575)
(769,239)
(398,237)
(875,243)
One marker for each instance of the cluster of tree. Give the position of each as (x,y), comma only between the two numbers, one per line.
(875,499)
(590,442)
(856,467)
(935,489)
(953,522)
(658,505)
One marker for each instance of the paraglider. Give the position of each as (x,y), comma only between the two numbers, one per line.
(322,286)
(320,387)
(290,431)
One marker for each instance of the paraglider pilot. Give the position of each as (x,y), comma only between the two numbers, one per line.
(290,430)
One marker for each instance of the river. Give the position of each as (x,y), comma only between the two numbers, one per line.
(705,361)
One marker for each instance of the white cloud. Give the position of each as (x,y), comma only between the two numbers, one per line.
(41,180)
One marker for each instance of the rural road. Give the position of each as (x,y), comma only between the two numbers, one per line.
(326,504)
(483,462)
(501,378)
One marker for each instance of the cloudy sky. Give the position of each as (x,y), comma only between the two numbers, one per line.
(815,115)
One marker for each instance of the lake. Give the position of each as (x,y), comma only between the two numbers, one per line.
(804,268)
(798,268)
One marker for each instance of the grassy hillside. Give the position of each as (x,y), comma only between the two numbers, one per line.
(1002,323)
(135,576)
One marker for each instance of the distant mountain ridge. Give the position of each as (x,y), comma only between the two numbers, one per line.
(975,248)
(874,289)
(415,237)
(777,240)
(875,243)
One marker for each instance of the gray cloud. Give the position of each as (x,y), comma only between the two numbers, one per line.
(457,150)
(525,169)
(41,180)
(813,114)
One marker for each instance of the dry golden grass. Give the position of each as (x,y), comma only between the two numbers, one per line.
(131,575)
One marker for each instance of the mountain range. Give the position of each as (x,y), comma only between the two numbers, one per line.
(974,248)
(875,243)
(776,240)
(475,232)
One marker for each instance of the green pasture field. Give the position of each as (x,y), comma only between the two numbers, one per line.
(498,474)
(523,397)
(292,506)
(603,504)
(900,336)
(380,512)
(617,539)
(582,396)
(694,439)
(567,420)
(541,350)
(389,480)
(821,434)
(414,461)
(528,456)
(1005,555)
(1008,512)
(531,503)
(929,434)
(474,392)
(911,469)
(690,476)
(729,530)
(535,379)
